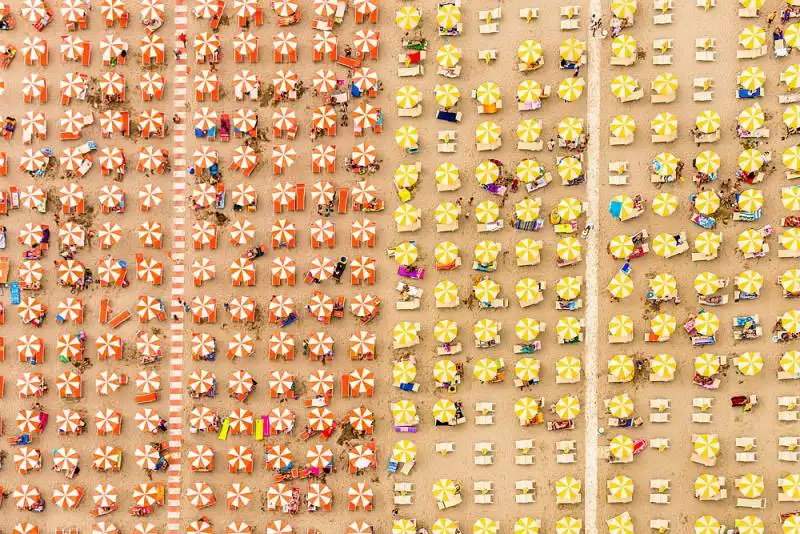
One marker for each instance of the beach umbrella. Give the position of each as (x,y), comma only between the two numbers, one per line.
(569,208)
(485,330)
(487,172)
(790,485)
(448,56)
(571,49)
(445,371)
(664,204)
(487,132)
(707,162)
(487,93)
(706,445)
(749,524)
(529,170)
(665,244)
(570,89)
(529,91)
(749,363)
(444,489)
(568,287)
(446,293)
(623,46)
(790,321)
(31,234)
(622,126)
(568,489)
(706,323)
(486,290)
(750,200)
(485,525)
(751,78)
(407,137)
(664,123)
(446,95)
(446,213)
(486,251)
(448,16)
(569,248)
(528,290)
(526,409)
(365,78)
(570,129)
(790,281)
(622,207)
(708,121)
(529,130)
(664,366)
(791,115)
(444,525)
(407,18)
(620,286)
(790,239)
(444,411)
(485,370)
(487,211)
(405,176)
(751,118)
(665,83)
(568,407)
(623,86)
(706,364)
(791,77)
(407,96)
(707,486)
(569,168)
(707,283)
(32,196)
(750,281)
(446,253)
(621,367)
(623,9)
(750,241)
(530,51)
(528,329)
(790,362)
(445,331)
(621,447)
(620,326)
(665,164)
(528,251)
(752,37)
(30,272)
(405,333)
(568,328)
(404,412)
(569,525)
(27,459)
(792,34)
(569,368)
(790,197)
(707,243)
(791,524)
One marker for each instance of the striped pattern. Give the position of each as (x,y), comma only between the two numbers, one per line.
(177,276)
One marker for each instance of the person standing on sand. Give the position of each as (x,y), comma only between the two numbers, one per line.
(771,18)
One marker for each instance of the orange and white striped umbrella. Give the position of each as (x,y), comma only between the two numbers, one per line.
(246,43)
(200,458)
(364,78)
(200,495)
(206,44)
(242,421)
(366,41)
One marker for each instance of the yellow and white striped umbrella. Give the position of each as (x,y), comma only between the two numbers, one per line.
(620,286)
(572,49)
(749,524)
(527,369)
(529,130)
(527,329)
(708,243)
(750,200)
(448,15)
(620,326)
(570,128)
(752,37)
(530,51)
(568,488)
(708,121)
(751,485)
(751,118)
(623,86)
(447,173)
(664,366)
(664,204)
(528,250)
(445,371)
(487,172)
(664,285)
(486,251)
(624,46)
(406,253)
(568,287)
(568,328)
(790,197)
(622,126)
(568,248)
(749,363)
(445,331)
(790,362)
(791,76)
(569,208)
(402,526)
(446,94)
(707,283)
(570,89)
(751,4)
(526,409)
(487,211)
(528,290)
(486,290)
(526,525)
(407,136)
(621,246)
(404,372)
(444,411)
(621,447)
(791,158)
(620,405)
(664,123)
(487,132)
(706,323)
(404,412)
(404,451)
(665,83)
(527,209)
(569,525)
(626,207)
(665,164)
(446,293)
(406,215)
(620,524)
(444,489)
(707,486)
(663,324)
(407,18)
(791,524)
(750,241)
(569,368)
(406,176)
(664,245)
(487,93)
(448,56)
(485,330)
(446,213)
(446,253)
(623,9)
(751,160)
(568,407)
(529,91)
(707,524)
(405,333)
(751,78)
(485,370)
(707,202)
(407,96)
(749,281)
(791,34)
(706,364)
(790,281)
(621,367)
(790,321)
(569,168)
(707,162)
(791,485)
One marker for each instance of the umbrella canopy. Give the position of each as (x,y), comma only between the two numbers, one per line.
(448,56)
